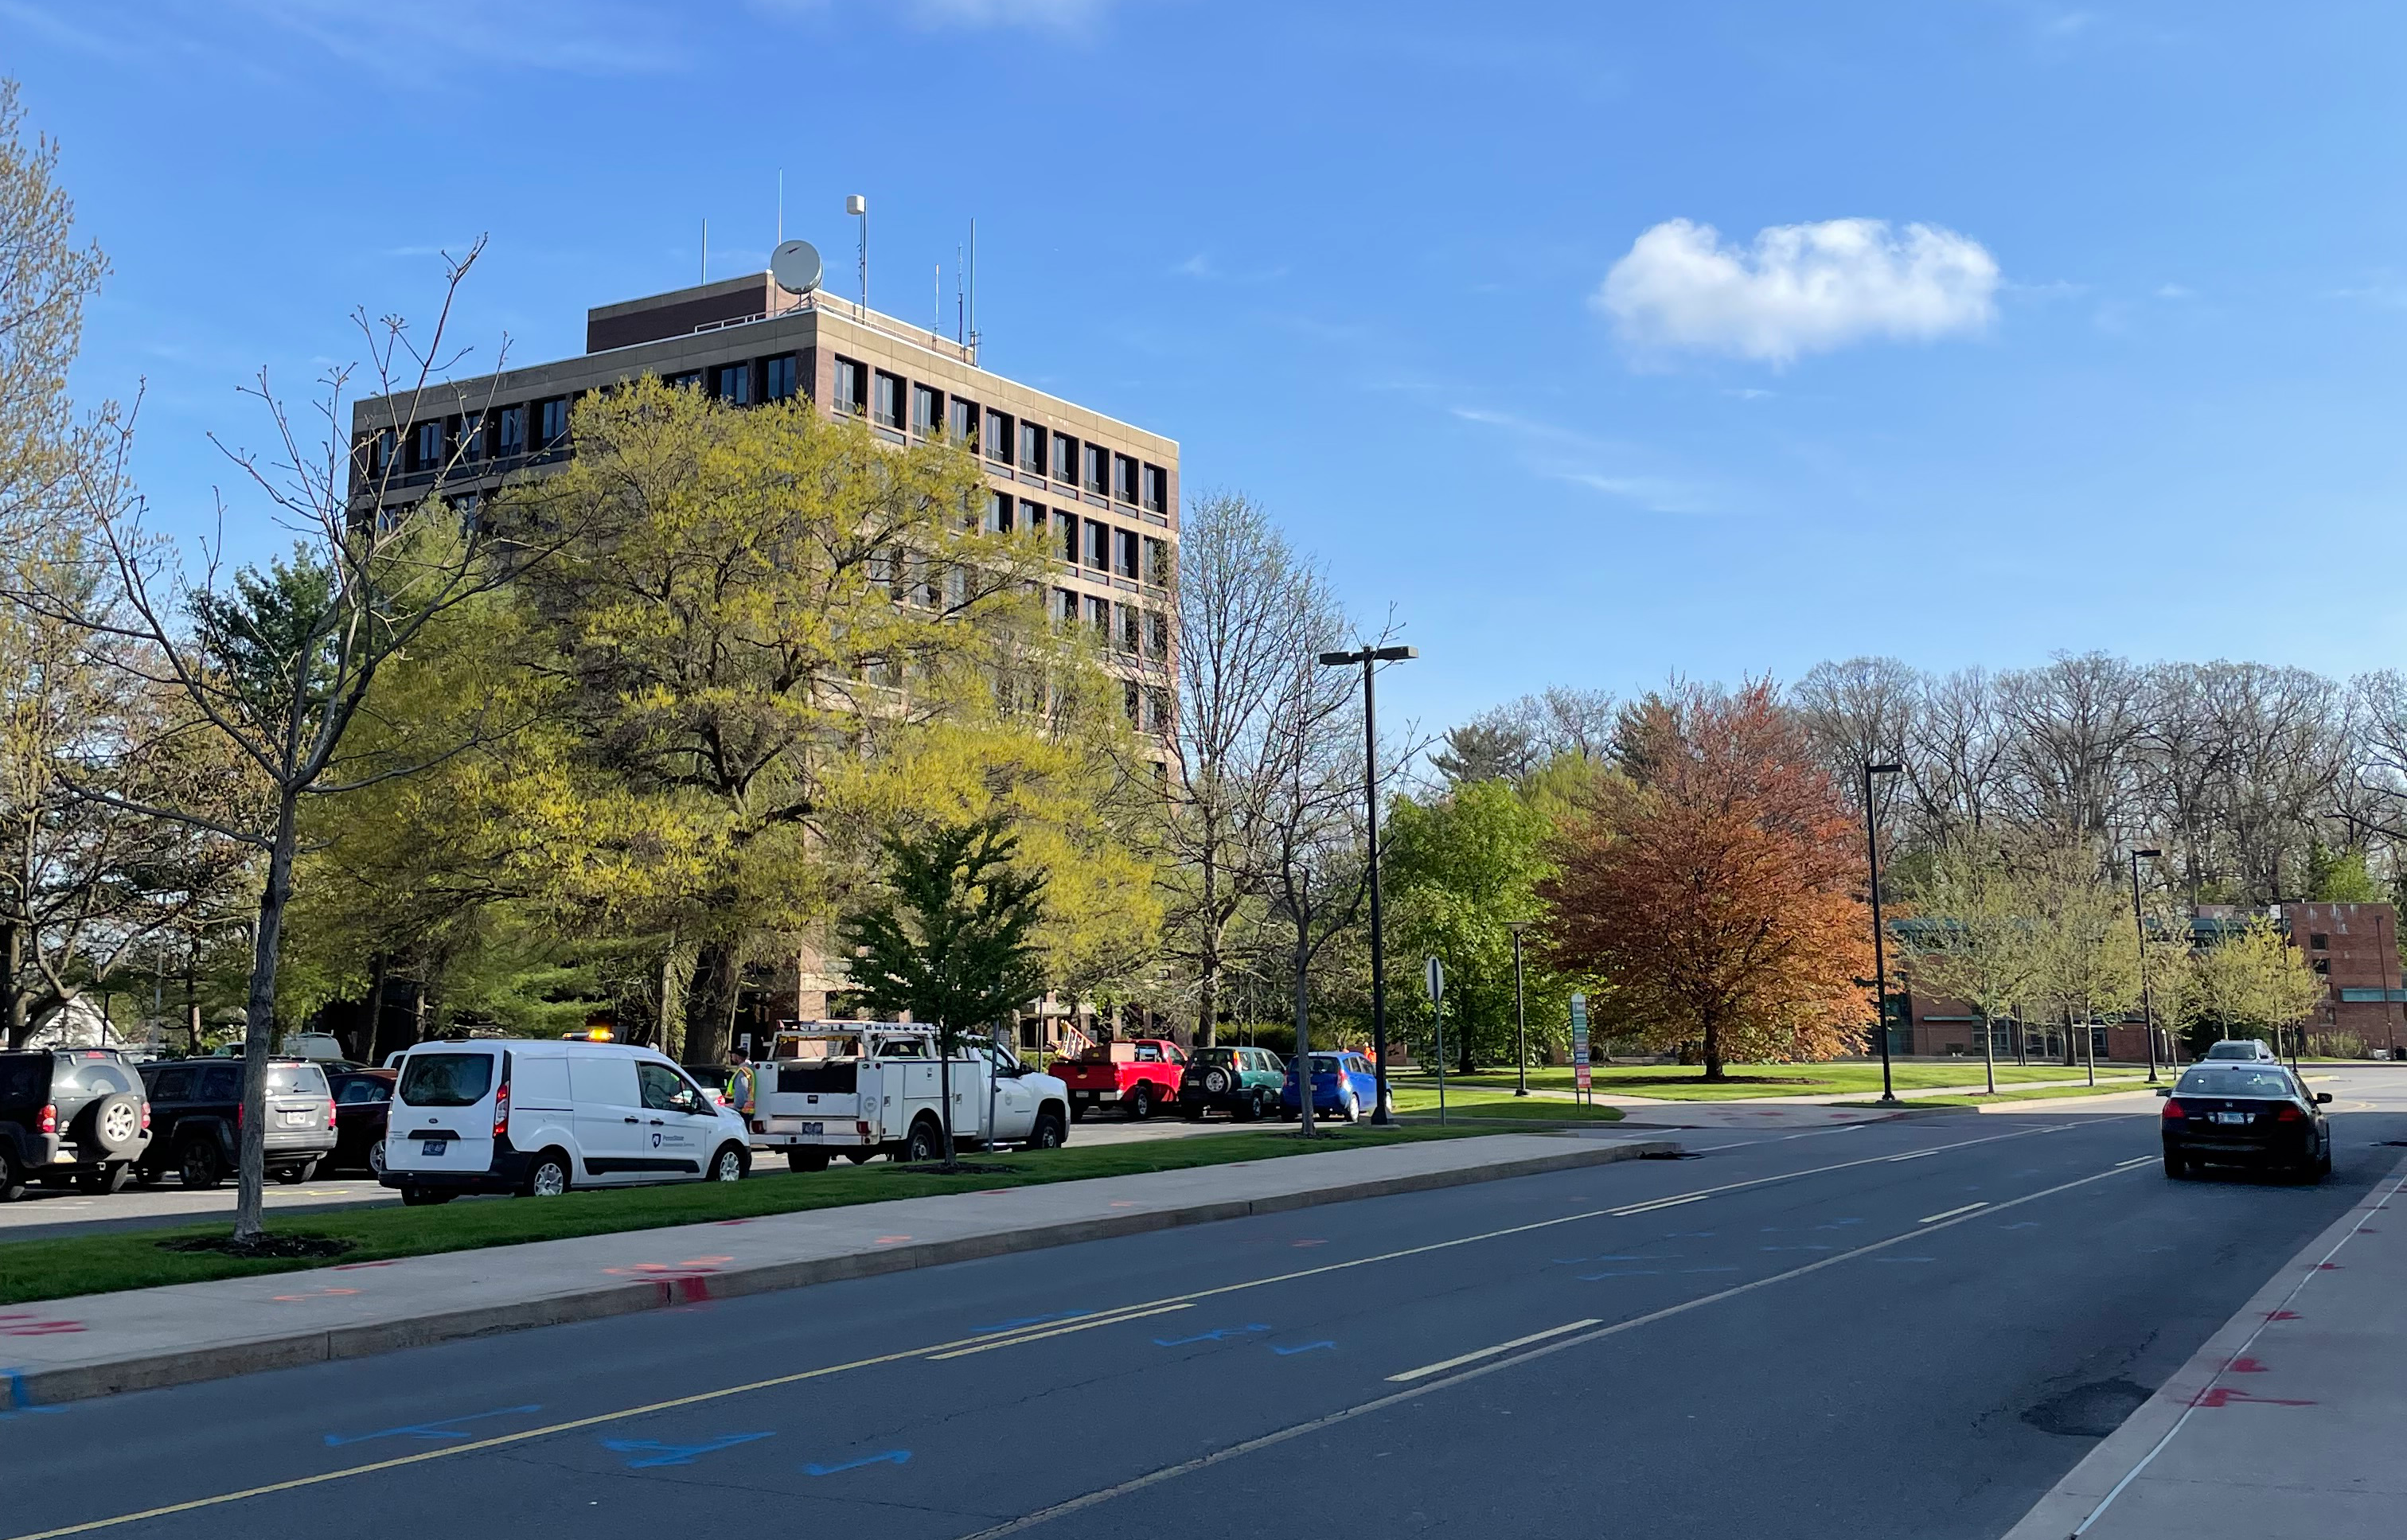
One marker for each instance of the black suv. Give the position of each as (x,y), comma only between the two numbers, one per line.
(196,1112)
(70,1113)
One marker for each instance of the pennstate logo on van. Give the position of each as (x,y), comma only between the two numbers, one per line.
(523,1115)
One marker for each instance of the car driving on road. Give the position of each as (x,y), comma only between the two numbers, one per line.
(2242,1112)
(2247,1050)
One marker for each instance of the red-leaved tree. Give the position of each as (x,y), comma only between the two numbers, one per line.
(1713,883)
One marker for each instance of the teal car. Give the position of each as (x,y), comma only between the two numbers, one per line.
(1243,1082)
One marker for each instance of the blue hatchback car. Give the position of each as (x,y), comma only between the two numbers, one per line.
(1343,1086)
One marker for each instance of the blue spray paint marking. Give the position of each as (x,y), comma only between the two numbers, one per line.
(891,1457)
(1290,1352)
(441,1429)
(673,1454)
(1803,1247)
(1218,1334)
(1575,1261)
(1836,1223)
(1684,1234)
(2027,1224)
(20,1402)
(1624,1273)
(1906,1259)
(1026,1321)
(1708,1269)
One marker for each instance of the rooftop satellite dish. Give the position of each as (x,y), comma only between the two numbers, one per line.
(795,266)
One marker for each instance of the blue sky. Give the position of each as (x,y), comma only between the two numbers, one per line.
(1598,340)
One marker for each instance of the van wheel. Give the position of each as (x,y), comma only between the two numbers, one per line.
(926,1143)
(1048,1133)
(375,1160)
(12,1178)
(546,1179)
(728,1164)
(200,1168)
(423,1197)
(806,1160)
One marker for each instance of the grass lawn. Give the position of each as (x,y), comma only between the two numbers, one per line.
(1418,1097)
(1749,1082)
(93,1265)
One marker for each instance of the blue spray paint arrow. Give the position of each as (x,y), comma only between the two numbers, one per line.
(442,1428)
(891,1457)
(673,1454)
(1218,1335)
(1290,1352)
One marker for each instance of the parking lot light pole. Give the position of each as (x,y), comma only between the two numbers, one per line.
(1880,961)
(1520,1007)
(2147,1012)
(1370,658)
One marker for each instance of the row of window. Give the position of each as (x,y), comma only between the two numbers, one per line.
(1100,547)
(1130,629)
(892,402)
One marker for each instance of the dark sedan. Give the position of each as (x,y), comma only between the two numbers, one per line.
(2238,1113)
(363,1101)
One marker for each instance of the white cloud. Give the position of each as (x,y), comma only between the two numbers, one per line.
(2176,291)
(1582,459)
(1056,15)
(1799,288)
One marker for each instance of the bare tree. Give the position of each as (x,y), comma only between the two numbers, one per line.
(2074,724)
(1857,713)
(1955,757)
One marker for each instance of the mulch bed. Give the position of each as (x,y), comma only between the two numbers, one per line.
(264,1246)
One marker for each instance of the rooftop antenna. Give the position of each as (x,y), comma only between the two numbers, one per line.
(961,325)
(937,326)
(973,331)
(856,204)
(705,248)
(781,205)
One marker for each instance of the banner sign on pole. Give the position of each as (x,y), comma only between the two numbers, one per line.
(1579,1045)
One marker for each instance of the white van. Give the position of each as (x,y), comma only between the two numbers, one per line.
(520,1116)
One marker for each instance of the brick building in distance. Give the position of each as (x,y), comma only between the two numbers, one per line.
(2354,947)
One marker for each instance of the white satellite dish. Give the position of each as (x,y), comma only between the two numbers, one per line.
(795,266)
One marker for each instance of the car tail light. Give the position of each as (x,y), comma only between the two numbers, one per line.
(501,1108)
(2174,1108)
(49,1119)
(2289,1114)
(331,1112)
(145,1116)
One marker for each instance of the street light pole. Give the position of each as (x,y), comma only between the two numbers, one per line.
(1368,658)
(2147,1008)
(1520,1007)
(1880,960)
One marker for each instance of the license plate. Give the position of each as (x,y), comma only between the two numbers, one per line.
(2231,1116)
(432,1146)
(814,1130)
(294,1119)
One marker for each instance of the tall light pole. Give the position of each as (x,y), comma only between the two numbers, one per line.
(1520,1007)
(1370,658)
(1880,960)
(2147,1011)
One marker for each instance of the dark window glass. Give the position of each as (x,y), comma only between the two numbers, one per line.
(173,1084)
(471,437)
(1124,479)
(1124,553)
(1157,709)
(684,379)
(2233,1080)
(219,1083)
(851,387)
(1031,447)
(426,446)
(551,422)
(1157,562)
(512,437)
(1032,516)
(104,1079)
(777,378)
(998,512)
(1157,488)
(1068,525)
(1130,699)
(24,1078)
(998,437)
(664,1090)
(358,1088)
(1099,466)
(1098,615)
(965,425)
(2319,942)
(1130,624)
(886,400)
(1066,606)
(445,1079)
(733,384)
(1066,458)
(927,410)
(1099,545)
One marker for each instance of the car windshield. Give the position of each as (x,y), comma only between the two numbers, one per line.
(1325,1063)
(445,1079)
(296,1080)
(2236,1080)
(2234,1050)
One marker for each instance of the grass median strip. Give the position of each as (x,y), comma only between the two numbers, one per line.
(1754,1082)
(2035,1093)
(93,1265)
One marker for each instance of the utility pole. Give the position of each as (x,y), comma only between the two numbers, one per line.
(1520,1008)
(1368,658)
(1880,964)
(2147,1009)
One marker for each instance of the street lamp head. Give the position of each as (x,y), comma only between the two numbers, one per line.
(1339,660)
(1517,926)
(1884,769)
(2149,854)
(1393,654)
(1368,655)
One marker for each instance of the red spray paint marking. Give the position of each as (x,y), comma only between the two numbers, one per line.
(2244,1366)
(2282,1315)
(892,1240)
(355,1266)
(18,1324)
(2220,1396)
(2328,1267)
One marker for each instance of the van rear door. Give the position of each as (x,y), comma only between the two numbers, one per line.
(442,1117)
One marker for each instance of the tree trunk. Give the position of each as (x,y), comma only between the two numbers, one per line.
(1712,1047)
(259,1021)
(1303,1035)
(1990,1052)
(376,973)
(709,1004)
(945,1045)
(15,1007)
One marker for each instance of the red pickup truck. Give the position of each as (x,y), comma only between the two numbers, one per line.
(1137,1074)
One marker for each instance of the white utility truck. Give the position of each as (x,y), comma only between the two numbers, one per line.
(859,1089)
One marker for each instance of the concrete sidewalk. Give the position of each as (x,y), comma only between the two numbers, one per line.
(2286,1423)
(97,1344)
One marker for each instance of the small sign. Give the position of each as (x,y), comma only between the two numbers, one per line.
(1579,1041)
(1437,977)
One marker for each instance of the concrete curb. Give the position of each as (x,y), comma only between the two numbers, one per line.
(2070,1501)
(284,1350)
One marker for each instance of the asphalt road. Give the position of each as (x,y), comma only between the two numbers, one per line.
(49,1211)
(1906,1330)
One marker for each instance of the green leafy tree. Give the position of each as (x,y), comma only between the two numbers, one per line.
(952,941)
(2087,964)
(2251,984)
(1460,870)
(2339,876)
(1976,938)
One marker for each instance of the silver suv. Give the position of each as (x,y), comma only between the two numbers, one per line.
(2247,1049)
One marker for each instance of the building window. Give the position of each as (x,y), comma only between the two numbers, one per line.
(2323,964)
(965,425)
(777,378)
(1099,468)
(1066,458)
(851,387)
(927,410)
(551,422)
(998,437)
(1099,545)
(1124,479)
(2320,942)
(684,379)
(1124,556)
(426,447)
(733,384)
(1031,517)
(380,455)
(1098,615)
(1068,523)
(1157,490)
(886,400)
(471,437)
(1157,635)
(1031,447)
(1132,633)
(1129,696)
(998,512)
(1066,606)
(1156,563)
(511,435)
(1157,709)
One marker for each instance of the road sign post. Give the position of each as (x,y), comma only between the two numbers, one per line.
(1436,978)
(1585,1092)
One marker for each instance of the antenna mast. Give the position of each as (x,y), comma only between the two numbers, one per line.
(705,248)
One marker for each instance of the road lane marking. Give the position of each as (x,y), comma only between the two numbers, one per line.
(1016,1340)
(1934,1219)
(2141,1159)
(1443,1364)
(1660,1202)
(1347,1413)
(700,1398)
